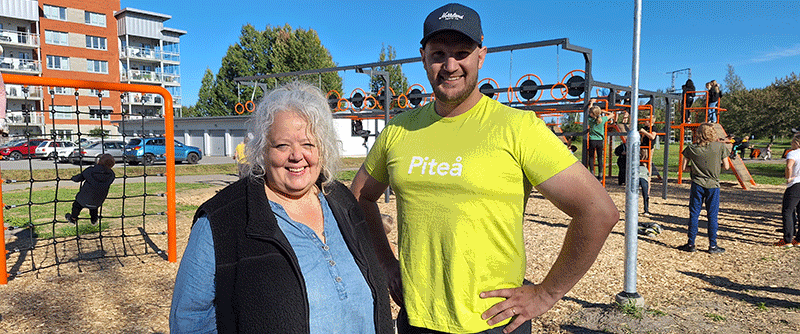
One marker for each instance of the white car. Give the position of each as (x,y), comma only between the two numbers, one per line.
(56,150)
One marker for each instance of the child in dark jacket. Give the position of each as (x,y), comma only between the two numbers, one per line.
(96,182)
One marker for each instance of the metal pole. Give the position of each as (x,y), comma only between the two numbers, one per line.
(629,294)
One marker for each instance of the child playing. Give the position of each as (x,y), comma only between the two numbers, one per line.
(96,181)
(768,152)
(707,154)
(644,187)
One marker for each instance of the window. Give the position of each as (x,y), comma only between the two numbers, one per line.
(97,113)
(65,135)
(63,112)
(97,66)
(95,19)
(56,37)
(93,92)
(62,90)
(94,42)
(57,63)
(55,12)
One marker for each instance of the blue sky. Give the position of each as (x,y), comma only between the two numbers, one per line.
(761,39)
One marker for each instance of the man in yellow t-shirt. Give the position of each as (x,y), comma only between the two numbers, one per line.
(240,157)
(462,169)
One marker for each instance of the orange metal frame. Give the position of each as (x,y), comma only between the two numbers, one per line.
(168,133)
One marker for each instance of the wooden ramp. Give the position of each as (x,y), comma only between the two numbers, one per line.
(739,169)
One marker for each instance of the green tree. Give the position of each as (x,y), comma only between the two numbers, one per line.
(772,110)
(733,83)
(274,50)
(397,80)
(206,99)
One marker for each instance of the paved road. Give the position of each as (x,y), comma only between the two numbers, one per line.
(49,164)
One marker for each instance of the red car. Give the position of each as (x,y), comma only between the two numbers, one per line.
(19,151)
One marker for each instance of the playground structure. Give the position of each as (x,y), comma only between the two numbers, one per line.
(550,101)
(31,253)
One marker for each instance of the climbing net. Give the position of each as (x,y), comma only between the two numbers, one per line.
(137,217)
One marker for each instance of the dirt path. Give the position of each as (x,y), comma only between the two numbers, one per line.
(752,287)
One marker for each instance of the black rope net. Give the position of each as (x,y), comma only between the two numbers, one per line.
(131,220)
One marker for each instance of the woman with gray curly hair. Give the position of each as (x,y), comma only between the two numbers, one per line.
(284,249)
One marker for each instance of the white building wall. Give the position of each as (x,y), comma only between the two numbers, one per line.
(21,9)
(234,128)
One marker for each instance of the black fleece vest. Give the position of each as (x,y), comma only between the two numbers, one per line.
(259,286)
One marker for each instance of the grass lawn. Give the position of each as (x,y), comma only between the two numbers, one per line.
(41,208)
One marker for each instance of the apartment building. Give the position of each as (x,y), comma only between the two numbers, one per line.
(21,54)
(88,40)
(149,54)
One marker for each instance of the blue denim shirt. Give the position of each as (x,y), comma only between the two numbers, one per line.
(340,301)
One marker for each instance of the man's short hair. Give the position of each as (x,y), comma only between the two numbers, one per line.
(453,17)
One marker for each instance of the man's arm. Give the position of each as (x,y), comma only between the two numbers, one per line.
(651,134)
(789,168)
(593,214)
(367,191)
(686,163)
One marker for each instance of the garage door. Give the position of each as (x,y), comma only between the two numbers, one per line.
(216,142)
(237,136)
(196,139)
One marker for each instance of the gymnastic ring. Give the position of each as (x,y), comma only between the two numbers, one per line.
(562,90)
(236,108)
(339,104)
(400,98)
(250,106)
(374,103)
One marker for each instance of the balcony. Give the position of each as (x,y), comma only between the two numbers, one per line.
(22,66)
(143,99)
(15,92)
(171,79)
(149,54)
(141,76)
(25,118)
(19,39)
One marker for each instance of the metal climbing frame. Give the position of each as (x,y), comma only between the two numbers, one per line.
(168,131)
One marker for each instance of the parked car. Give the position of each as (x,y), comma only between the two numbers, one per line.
(92,152)
(21,150)
(50,149)
(149,150)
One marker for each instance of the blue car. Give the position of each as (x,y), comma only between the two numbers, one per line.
(149,150)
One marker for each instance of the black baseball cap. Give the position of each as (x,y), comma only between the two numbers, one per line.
(454,17)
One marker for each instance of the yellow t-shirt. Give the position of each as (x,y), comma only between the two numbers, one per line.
(461,185)
(240,158)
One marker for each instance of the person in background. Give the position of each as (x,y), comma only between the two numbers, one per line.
(648,140)
(597,121)
(285,249)
(462,169)
(791,197)
(622,162)
(714,94)
(644,188)
(94,190)
(240,157)
(687,92)
(706,155)
(768,152)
